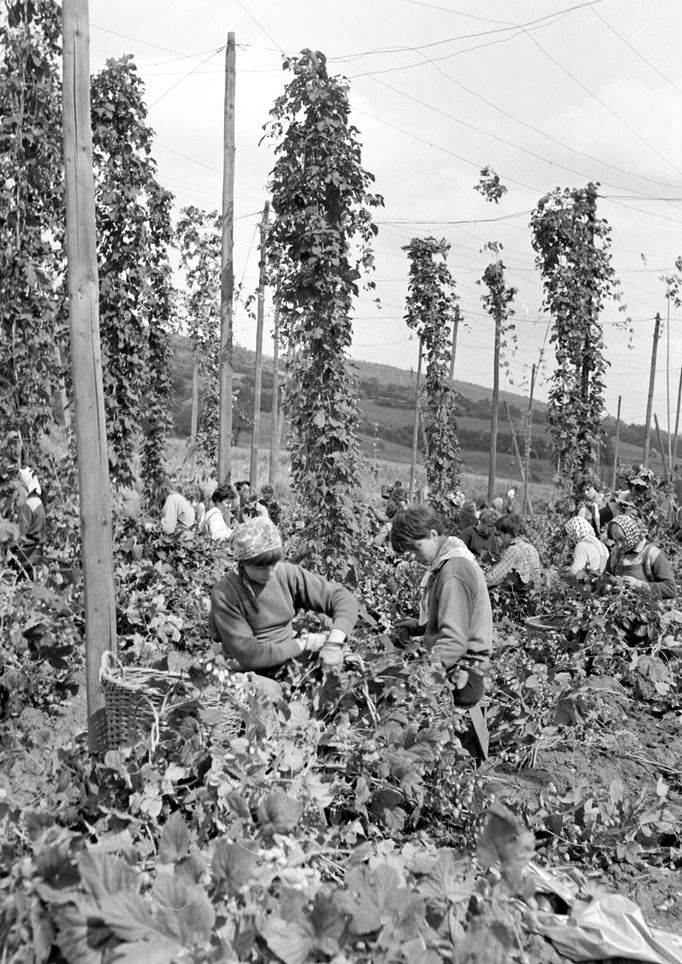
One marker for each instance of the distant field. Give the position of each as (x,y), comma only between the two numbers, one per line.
(401,417)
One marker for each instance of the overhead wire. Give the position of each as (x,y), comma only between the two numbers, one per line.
(635,51)
(185,77)
(606,107)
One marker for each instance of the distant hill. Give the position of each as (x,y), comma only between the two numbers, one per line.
(387,401)
(388,374)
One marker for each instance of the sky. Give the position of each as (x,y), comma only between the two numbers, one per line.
(546,92)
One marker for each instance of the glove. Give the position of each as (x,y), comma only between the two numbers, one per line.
(333,652)
(311,642)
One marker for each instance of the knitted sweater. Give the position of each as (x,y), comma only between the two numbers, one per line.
(460,620)
(261,636)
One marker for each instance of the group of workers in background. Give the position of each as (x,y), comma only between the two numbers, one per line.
(252,607)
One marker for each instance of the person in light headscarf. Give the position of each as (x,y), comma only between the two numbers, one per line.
(637,562)
(253,605)
(32,523)
(590,555)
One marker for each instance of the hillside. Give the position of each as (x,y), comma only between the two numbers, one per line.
(387,400)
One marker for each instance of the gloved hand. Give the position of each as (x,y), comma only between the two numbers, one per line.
(333,652)
(311,642)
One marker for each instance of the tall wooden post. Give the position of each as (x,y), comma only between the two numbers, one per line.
(258,374)
(415,431)
(652,382)
(194,418)
(519,461)
(667,376)
(453,353)
(673,465)
(275,402)
(492,461)
(616,446)
(86,364)
(666,474)
(527,443)
(227,272)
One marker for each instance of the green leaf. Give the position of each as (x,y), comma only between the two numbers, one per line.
(279,813)
(183,912)
(82,937)
(174,842)
(103,874)
(451,878)
(291,941)
(235,863)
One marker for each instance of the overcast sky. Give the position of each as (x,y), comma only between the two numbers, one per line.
(548,93)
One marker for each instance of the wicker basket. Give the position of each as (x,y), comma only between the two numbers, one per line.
(548,623)
(140,703)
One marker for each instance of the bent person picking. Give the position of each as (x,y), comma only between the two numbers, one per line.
(455,616)
(253,605)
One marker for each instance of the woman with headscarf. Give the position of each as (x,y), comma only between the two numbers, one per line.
(253,605)
(590,555)
(32,524)
(637,562)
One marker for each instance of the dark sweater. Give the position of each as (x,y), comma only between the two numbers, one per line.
(480,544)
(261,636)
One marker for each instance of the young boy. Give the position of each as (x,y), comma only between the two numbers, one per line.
(455,616)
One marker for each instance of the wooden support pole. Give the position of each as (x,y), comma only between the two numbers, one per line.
(527,444)
(492,461)
(227,272)
(415,431)
(86,364)
(616,446)
(519,460)
(650,396)
(667,376)
(258,374)
(666,474)
(455,330)
(677,422)
(275,403)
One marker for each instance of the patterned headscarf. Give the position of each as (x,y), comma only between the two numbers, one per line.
(254,537)
(578,528)
(631,529)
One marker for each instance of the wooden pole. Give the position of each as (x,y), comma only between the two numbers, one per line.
(86,364)
(227,272)
(616,446)
(275,403)
(667,375)
(650,397)
(527,443)
(666,474)
(282,400)
(194,423)
(415,431)
(453,353)
(493,418)
(258,374)
(519,460)
(673,464)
